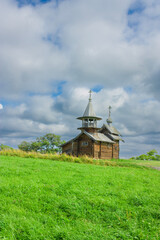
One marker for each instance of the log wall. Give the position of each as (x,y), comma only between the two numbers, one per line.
(103,150)
(116,150)
(84,149)
(67,148)
(93,149)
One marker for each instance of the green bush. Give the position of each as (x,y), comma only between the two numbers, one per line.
(151,156)
(4,147)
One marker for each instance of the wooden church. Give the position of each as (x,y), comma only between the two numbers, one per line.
(99,143)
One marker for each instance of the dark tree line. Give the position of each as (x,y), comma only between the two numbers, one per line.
(49,143)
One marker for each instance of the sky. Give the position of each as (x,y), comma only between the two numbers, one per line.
(53,52)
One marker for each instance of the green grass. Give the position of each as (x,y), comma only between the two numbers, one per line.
(80,159)
(44,199)
(138,162)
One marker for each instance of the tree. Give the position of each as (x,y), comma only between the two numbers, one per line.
(49,143)
(4,147)
(152,152)
(157,157)
(25,146)
(35,146)
(151,155)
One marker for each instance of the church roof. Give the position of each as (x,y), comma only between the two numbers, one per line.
(100,137)
(111,129)
(89,111)
(115,137)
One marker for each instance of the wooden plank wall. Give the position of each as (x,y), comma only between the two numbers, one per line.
(67,148)
(85,150)
(103,150)
(96,150)
(106,150)
(116,150)
(74,148)
(93,149)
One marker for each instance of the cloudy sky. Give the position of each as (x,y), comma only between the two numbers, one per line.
(53,52)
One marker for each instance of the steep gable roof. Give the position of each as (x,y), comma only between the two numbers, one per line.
(115,137)
(111,129)
(100,137)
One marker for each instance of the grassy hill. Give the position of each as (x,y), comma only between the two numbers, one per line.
(44,199)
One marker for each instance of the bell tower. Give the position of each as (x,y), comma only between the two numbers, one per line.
(98,143)
(89,118)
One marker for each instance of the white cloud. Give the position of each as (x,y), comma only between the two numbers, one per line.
(85,43)
(1,106)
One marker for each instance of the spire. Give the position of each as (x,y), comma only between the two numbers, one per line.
(89,112)
(110,111)
(109,119)
(90,95)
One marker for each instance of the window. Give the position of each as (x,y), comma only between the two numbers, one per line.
(84,143)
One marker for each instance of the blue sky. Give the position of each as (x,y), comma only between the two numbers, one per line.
(136,8)
(53,52)
(32,2)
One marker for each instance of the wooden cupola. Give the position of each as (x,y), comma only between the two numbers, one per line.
(89,118)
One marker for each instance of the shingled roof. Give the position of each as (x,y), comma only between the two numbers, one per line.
(111,129)
(100,137)
(89,111)
(116,137)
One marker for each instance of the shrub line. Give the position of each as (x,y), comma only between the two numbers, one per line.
(66,158)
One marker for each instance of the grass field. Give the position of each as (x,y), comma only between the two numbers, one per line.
(44,199)
(138,162)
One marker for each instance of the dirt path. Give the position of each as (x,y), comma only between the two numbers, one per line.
(158,168)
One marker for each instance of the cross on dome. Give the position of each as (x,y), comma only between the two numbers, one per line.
(109,120)
(90,95)
(110,110)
